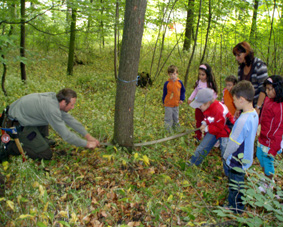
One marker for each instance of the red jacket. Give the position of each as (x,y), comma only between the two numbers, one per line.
(271,120)
(216,117)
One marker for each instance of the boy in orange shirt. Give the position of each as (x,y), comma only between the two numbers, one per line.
(173,95)
(227,98)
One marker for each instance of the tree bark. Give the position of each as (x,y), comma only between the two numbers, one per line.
(207,32)
(194,47)
(270,34)
(72,43)
(189,26)
(253,27)
(4,76)
(128,69)
(116,28)
(22,45)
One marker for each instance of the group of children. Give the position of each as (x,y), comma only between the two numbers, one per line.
(233,122)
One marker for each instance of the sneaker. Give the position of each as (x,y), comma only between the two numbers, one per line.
(217,144)
(263,188)
(232,209)
(189,164)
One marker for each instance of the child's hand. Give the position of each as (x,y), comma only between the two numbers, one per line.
(258,130)
(237,114)
(189,101)
(180,102)
(202,128)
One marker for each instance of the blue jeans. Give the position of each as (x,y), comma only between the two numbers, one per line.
(205,146)
(237,179)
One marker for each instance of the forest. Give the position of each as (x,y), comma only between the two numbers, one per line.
(138,176)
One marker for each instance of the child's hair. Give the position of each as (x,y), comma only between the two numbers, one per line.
(172,69)
(277,83)
(211,83)
(232,79)
(244,89)
(244,47)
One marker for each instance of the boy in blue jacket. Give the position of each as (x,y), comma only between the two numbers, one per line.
(173,95)
(240,148)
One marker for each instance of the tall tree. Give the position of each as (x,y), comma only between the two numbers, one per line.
(270,33)
(194,47)
(116,35)
(128,69)
(253,27)
(207,31)
(72,42)
(23,41)
(189,25)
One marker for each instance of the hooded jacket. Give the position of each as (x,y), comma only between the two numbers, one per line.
(271,120)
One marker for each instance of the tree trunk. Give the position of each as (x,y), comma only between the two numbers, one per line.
(88,30)
(207,32)
(163,40)
(128,69)
(194,47)
(22,45)
(270,34)
(253,27)
(115,38)
(102,26)
(72,43)
(4,75)
(189,25)
(157,37)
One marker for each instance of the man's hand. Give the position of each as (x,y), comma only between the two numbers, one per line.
(89,138)
(91,144)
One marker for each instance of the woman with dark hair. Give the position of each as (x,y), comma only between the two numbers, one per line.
(252,69)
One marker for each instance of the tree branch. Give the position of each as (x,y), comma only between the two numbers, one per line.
(27,21)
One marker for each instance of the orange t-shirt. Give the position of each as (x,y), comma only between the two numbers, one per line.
(228,101)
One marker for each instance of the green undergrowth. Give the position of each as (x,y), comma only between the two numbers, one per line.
(110,186)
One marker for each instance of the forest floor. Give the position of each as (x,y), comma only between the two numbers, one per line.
(110,186)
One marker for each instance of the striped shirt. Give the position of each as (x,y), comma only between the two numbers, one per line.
(257,76)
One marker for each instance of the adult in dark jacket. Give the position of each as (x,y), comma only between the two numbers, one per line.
(252,69)
(32,114)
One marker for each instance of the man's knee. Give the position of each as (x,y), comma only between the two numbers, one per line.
(46,154)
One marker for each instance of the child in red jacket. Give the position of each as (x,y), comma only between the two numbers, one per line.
(214,124)
(271,121)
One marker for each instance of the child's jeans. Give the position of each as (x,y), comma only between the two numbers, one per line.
(205,146)
(171,118)
(236,183)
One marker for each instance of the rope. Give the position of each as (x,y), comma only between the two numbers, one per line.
(159,140)
(125,81)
